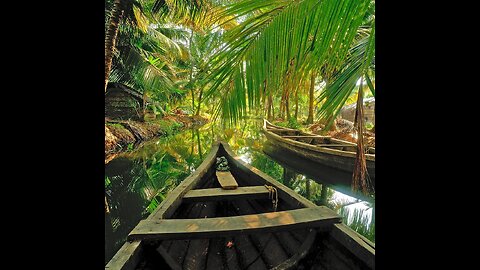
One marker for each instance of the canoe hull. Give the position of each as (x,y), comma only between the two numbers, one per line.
(334,158)
(279,248)
(338,162)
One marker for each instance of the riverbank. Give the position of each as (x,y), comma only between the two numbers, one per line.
(121,135)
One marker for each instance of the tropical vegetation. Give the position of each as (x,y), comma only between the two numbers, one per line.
(295,62)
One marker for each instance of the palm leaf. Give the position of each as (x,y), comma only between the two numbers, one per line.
(285,40)
(343,82)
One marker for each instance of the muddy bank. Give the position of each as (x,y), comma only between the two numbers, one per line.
(123,135)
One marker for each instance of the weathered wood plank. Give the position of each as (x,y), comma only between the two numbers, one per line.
(231,255)
(174,265)
(333,145)
(176,253)
(355,244)
(279,129)
(217,194)
(288,242)
(300,254)
(196,257)
(215,254)
(226,180)
(249,255)
(341,254)
(127,257)
(319,216)
(267,244)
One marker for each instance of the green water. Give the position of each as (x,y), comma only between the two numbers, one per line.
(137,181)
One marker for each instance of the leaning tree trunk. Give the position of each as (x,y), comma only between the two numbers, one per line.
(192,89)
(281,110)
(269,108)
(111,37)
(359,177)
(310,99)
(296,104)
(273,107)
(287,106)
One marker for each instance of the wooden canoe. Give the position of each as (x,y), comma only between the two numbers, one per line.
(325,150)
(204,225)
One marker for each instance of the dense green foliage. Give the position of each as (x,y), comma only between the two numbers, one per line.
(238,58)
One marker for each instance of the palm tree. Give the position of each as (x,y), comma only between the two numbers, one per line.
(122,10)
(151,62)
(278,44)
(202,47)
(282,41)
(131,12)
(311,98)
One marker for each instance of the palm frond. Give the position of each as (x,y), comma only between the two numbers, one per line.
(285,40)
(343,82)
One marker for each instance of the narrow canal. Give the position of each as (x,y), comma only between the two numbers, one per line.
(136,182)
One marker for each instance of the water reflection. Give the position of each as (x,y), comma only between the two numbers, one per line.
(137,182)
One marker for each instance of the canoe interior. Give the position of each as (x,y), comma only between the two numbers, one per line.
(246,251)
(310,138)
(214,253)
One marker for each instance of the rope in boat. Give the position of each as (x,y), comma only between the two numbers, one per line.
(273,194)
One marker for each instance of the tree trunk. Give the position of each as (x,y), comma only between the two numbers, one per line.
(323,195)
(111,37)
(199,145)
(296,104)
(192,89)
(287,105)
(269,108)
(199,101)
(310,99)
(107,207)
(281,112)
(288,177)
(273,107)
(359,177)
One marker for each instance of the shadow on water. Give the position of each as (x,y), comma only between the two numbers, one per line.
(137,182)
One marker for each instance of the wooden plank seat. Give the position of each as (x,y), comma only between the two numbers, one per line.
(218,194)
(165,229)
(335,145)
(226,180)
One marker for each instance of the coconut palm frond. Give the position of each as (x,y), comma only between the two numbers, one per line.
(173,32)
(370,84)
(186,12)
(285,40)
(344,82)
(164,44)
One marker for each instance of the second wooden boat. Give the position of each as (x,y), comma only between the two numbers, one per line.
(229,215)
(325,150)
